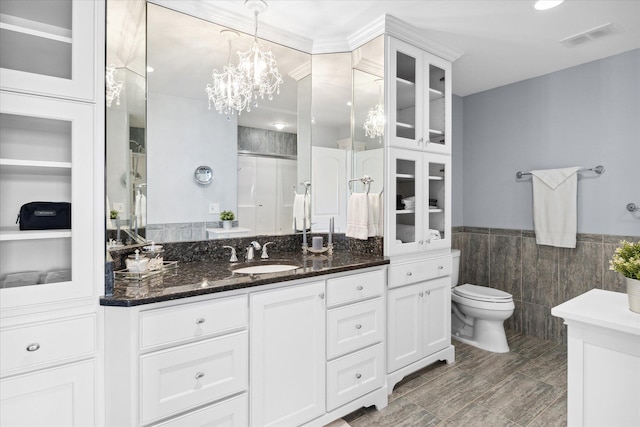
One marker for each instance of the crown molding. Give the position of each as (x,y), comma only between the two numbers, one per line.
(417,37)
(301,71)
(237,21)
(386,24)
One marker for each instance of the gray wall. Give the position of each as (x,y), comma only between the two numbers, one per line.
(582,116)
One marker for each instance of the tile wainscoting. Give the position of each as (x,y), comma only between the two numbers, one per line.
(538,277)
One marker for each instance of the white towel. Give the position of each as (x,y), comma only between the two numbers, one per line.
(376,209)
(358,216)
(555,194)
(140,210)
(300,202)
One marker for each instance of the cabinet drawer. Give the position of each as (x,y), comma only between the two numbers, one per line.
(29,346)
(233,412)
(418,271)
(355,375)
(354,326)
(194,374)
(174,325)
(355,287)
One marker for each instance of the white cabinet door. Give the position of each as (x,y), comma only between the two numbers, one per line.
(56,397)
(287,385)
(437,315)
(48,47)
(404,337)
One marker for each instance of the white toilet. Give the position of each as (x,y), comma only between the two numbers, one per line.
(478,313)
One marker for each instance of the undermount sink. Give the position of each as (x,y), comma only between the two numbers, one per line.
(268,268)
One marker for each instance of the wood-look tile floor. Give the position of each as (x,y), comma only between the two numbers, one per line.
(525,387)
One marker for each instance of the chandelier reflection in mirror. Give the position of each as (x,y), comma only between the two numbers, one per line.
(255,76)
(113,88)
(230,91)
(260,65)
(374,124)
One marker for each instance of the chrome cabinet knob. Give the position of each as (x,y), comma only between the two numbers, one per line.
(199,375)
(200,321)
(428,292)
(321,295)
(359,287)
(440,267)
(33,347)
(358,376)
(358,326)
(409,273)
(421,294)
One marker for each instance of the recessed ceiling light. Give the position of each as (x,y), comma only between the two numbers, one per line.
(279,125)
(547,4)
(149,69)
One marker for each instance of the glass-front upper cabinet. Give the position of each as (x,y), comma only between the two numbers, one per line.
(419,205)
(419,94)
(46,147)
(48,47)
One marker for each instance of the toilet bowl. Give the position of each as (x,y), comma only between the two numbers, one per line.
(478,313)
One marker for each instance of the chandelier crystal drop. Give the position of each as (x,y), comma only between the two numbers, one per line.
(230,91)
(374,124)
(113,88)
(259,65)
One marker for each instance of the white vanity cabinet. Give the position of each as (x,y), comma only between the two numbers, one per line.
(419,316)
(181,361)
(287,355)
(355,340)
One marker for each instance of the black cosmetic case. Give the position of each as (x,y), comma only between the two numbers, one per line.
(45,216)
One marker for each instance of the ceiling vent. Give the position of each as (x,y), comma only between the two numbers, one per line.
(589,35)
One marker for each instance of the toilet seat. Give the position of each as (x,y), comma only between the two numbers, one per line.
(482,293)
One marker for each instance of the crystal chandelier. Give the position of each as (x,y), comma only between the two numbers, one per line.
(113,88)
(230,91)
(260,65)
(374,124)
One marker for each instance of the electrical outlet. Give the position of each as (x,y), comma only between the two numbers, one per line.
(118,207)
(214,208)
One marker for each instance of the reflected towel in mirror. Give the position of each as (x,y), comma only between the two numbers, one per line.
(301,211)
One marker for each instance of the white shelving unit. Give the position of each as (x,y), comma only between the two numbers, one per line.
(50,130)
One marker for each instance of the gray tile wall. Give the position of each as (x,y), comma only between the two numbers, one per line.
(538,277)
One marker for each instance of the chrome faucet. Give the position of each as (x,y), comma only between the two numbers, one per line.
(253,245)
(234,257)
(264,250)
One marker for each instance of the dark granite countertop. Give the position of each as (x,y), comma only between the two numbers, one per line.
(205,277)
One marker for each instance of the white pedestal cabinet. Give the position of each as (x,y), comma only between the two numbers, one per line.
(417,208)
(51,130)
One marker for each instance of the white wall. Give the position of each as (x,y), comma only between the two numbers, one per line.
(586,116)
(183,135)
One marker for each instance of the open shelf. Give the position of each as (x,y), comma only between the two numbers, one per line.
(14,233)
(35,28)
(35,167)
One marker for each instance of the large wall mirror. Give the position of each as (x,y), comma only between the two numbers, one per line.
(257,168)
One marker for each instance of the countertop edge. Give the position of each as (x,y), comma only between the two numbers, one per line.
(119,302)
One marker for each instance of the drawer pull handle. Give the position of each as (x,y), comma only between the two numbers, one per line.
(409,273)
(358,326)
(440,267)
(199,375)
(358,376)
(200,321)
(359,287)
(321,295)
(33,347)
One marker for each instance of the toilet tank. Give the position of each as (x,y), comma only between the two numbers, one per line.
(455,253)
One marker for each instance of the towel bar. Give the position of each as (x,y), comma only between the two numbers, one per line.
(598,170)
